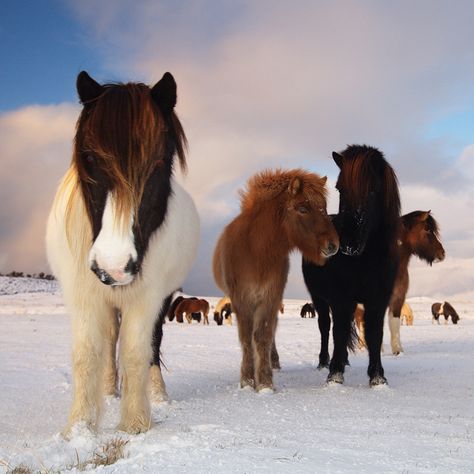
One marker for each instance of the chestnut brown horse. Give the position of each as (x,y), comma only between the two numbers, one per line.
(188,306)
(419,235)
(281,210)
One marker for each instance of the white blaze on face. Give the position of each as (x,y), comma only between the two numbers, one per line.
(114,246)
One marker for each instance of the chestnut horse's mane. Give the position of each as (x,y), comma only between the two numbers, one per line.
(127,134)
(269,184)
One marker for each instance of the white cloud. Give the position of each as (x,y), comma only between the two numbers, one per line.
(35,149)
(267,84)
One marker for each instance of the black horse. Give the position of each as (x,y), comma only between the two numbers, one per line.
(364,269)
(307,309)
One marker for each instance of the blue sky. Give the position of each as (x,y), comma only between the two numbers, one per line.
(42,48)
(260,84)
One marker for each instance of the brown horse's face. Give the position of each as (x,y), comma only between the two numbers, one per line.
(422,238)
(307,223)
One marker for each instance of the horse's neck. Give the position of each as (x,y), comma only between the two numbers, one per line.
(405,253)
(266,224)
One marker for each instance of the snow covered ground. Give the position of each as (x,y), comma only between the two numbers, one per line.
(423,422)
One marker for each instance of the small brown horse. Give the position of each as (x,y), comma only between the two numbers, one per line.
(280,211)
(445,309)
(419,235)
(188,306)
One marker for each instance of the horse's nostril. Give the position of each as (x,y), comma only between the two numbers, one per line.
(103,276)
(332,248)
(132,267)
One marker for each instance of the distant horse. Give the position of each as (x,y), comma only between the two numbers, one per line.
(280,211)
(106,243)
(364,270)
(223,311)
(406,314)
(190,307)
(172,309)
(419,235)
(446,310)
(308,309)
(226,313)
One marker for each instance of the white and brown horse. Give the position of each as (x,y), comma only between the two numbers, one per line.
(444,309)
(107,242)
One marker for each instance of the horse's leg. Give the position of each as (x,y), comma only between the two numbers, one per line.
(89,329)
(263,338)
(343,315)
(157,385)
(245,327)
(374,316)
(110,360)
(324,324)
(135,355)
(394,311)
(397,299)
(275,356)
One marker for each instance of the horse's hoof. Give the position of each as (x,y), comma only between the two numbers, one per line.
(159,398)
(136,426)
(265,389)
(78,429)
(323,365)
(335,377)
(250,383)
(378,380)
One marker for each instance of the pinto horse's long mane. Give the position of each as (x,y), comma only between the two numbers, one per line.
(127,135)
(366,171)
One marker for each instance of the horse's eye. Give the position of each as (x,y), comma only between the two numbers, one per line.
(303,210)
(89,159)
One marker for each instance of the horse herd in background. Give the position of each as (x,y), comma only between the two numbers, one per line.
(119,242)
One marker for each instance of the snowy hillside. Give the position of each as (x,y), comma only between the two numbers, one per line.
(423,422)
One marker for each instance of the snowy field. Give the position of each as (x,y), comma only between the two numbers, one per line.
(423,422)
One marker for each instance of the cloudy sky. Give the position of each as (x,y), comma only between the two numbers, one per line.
(260,84)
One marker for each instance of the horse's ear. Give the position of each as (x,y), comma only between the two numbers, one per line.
(338,159)
(295,186)
(324,180)
(164,93)
(425,215)
(87,88)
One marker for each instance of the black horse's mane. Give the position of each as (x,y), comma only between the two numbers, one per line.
(366,171)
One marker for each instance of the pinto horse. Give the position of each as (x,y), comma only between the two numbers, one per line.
(223,310)
(281,210)
(445,309)
(107,244)
(364,270)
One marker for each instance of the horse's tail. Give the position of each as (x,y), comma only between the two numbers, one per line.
(158,331)
(353,339)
